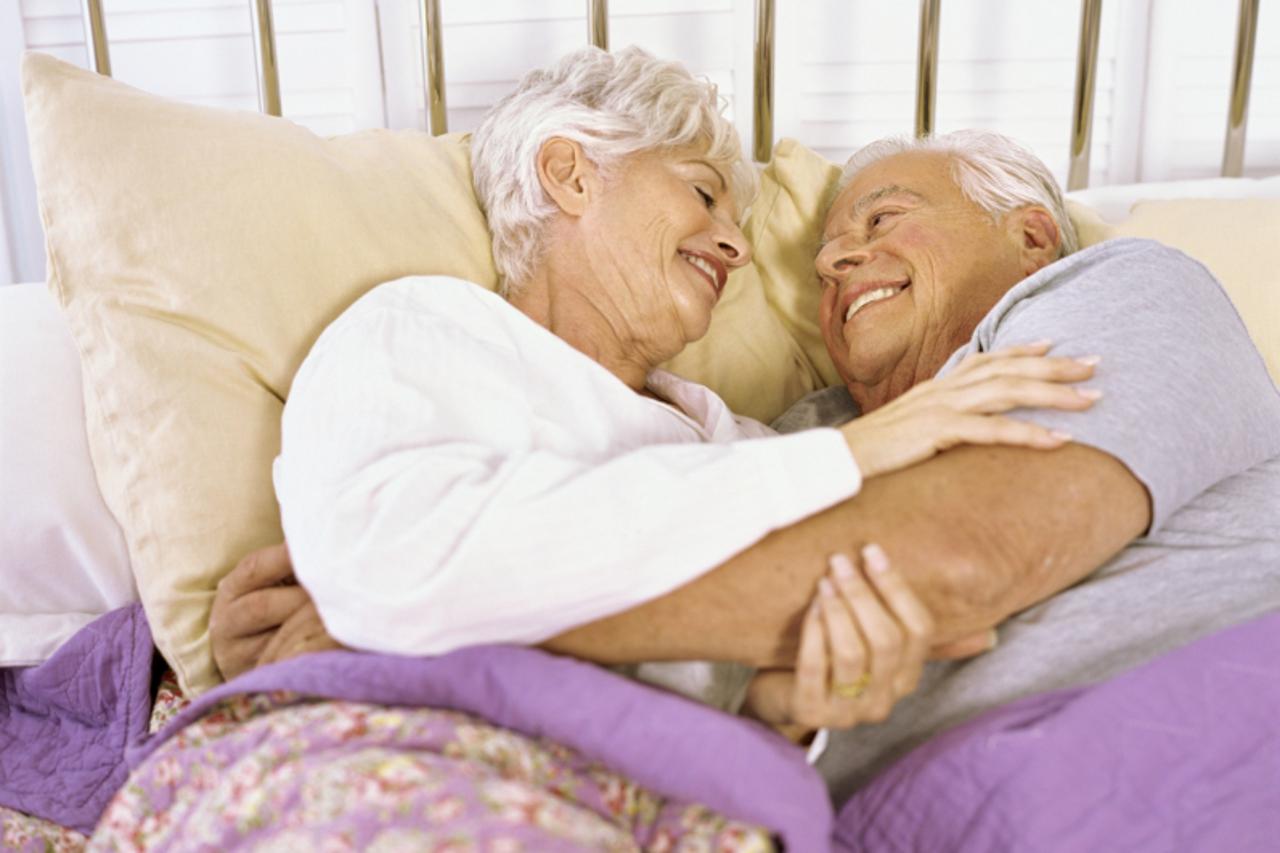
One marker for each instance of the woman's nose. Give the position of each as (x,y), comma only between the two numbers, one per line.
(733,246)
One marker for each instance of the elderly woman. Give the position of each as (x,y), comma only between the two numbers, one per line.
(461,467)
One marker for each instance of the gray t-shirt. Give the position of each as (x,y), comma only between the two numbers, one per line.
(1189,408)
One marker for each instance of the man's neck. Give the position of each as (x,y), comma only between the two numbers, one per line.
(908,372)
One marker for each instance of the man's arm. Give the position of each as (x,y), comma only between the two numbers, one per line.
(980,532)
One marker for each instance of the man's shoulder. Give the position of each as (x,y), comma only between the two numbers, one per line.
(1124,269)
(1128,292)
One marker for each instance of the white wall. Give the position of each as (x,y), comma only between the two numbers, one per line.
(845,71)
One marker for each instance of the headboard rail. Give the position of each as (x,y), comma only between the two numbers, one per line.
(597,16)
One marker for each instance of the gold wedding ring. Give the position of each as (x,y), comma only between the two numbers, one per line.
(853,689)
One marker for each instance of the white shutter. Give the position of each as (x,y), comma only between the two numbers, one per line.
(1006,65)
(489,46)
(1189,88)
(201,51)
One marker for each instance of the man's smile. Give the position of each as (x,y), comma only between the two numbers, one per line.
(861,295)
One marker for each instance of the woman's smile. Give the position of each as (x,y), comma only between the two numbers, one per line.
(711,269)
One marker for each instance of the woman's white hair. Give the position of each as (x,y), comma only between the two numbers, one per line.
(613,105)
(994,172)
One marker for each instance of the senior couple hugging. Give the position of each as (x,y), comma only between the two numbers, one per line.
(461,468)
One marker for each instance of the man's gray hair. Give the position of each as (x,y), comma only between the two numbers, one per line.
(994,172)
(613,105)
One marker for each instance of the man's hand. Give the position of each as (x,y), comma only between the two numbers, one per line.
(862,647)
(261,615)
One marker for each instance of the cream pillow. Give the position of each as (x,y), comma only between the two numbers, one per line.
(1238,239)
(198,253)
(785,228)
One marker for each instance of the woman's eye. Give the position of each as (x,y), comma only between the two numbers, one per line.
(707,198)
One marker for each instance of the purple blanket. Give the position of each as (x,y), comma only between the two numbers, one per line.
(64,725)
(665,742)
(1181,754)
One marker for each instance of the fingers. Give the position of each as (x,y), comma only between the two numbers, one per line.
(862,646)
(301,633)
(911,616)
(994,429)
(809,697)
(1023,361)
(845,648)
(260,610)
(873,653)
(1003,393)
(262,568)
(974,359)
(242,655)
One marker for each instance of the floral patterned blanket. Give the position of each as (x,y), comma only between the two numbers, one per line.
(498,748)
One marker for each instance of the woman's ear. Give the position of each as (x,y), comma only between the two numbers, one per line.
(1036,237)
(567,176)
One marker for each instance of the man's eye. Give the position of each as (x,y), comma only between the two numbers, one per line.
(879,218)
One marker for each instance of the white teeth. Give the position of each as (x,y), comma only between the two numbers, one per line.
(702,264)
(869,297)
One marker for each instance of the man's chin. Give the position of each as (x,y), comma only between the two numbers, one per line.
(863,368)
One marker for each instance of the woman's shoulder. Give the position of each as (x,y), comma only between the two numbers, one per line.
(421,308)
(428,296)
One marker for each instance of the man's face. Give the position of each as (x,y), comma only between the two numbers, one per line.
(908,267)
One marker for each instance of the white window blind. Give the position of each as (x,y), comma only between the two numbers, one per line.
(845,71)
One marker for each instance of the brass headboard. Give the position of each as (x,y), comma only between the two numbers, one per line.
(763,93)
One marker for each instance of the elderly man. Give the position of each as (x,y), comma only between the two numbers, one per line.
(933,250)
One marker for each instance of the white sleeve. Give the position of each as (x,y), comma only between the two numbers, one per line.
(422,516)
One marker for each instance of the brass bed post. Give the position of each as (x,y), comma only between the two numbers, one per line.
(433,67)
(598,23)
(927,67)
(1241,79)
(95,37)
(762,94)
(264,52)
(1086,81)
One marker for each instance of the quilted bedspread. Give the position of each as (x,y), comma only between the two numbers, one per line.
(660,747)
(509,748)
(1182,754)
(64,725)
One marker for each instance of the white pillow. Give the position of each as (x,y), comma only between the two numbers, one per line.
(1114,203)
(62,556)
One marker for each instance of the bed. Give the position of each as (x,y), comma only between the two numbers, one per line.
(471,750)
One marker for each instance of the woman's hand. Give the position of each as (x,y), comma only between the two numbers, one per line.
(261,615)
(960,408)
(862,648)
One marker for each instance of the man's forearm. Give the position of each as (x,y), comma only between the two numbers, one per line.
(981,533)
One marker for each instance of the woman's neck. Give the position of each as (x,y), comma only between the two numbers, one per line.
(563,310)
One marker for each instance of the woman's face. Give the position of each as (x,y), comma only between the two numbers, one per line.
(661,239)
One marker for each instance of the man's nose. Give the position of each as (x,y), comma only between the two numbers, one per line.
(840,257)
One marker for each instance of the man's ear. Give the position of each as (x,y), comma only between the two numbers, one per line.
(567,176)
(1035,236)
